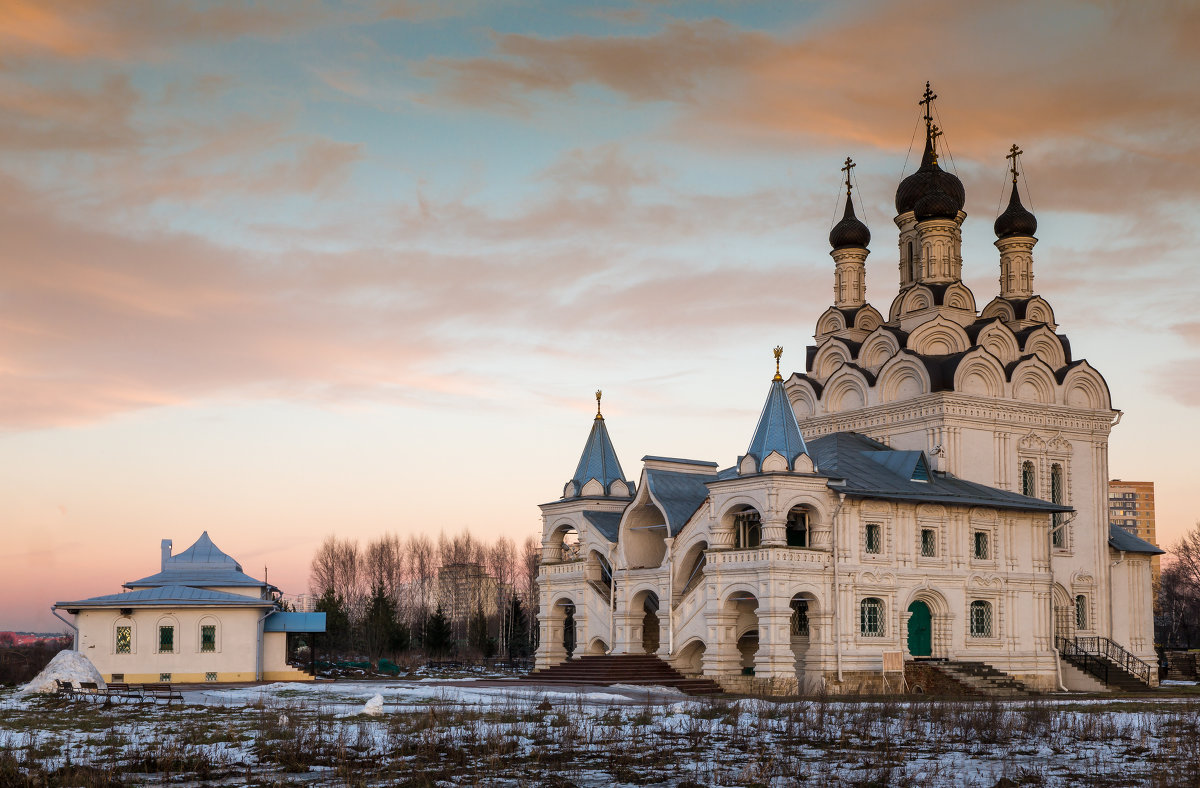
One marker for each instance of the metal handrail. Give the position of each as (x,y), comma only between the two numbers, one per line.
(1081,659)
(1095,650)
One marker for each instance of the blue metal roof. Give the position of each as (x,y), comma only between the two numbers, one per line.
(204,555)
(678,495)
(598,461)
(170,596)
(202,564)
(1120,539)
(680,460)
(281,621)
(777,429)
(607,523)
(873,470)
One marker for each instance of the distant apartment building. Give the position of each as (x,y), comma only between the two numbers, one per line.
(1131,506)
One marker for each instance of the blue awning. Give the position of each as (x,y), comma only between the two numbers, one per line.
(294,622)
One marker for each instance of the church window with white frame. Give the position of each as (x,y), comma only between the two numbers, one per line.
(1057,495)
(928,543)
(1028,479)
(982,547)
(1081,612)
(871,618)
(981,619)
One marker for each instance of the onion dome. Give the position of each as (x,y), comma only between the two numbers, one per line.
(849,233)
(936,204)
(1015,221)
(927,180)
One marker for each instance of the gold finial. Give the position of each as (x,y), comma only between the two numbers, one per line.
(778,353)
(599,393)
(849,166)
(1013,153)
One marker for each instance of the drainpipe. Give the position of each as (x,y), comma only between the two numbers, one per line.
(75,640)
(837,620)
(258,664)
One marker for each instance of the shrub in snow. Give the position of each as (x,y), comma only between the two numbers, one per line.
(374,706)
(68,667)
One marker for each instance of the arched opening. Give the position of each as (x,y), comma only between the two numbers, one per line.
(563,544)
(1064,613)
(920,630)
(643,537)
(747,527)
(568,634)
(799,527)
(745,605)
(647,602)
(692,567)
(690,661)
(597,646)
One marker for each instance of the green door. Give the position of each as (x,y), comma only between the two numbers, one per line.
(920,630)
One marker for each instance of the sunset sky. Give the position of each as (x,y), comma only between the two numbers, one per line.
(281,270)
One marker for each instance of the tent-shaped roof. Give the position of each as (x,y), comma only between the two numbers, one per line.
(777,429)
(598,461)
(202,564)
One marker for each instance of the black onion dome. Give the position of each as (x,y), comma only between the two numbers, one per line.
(936,204)
(1015,221)
(849,233)
(929,178)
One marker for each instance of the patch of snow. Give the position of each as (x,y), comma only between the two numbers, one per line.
(69,667)
(1178,683)
(374,707)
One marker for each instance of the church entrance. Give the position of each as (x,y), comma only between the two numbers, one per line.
(920,630)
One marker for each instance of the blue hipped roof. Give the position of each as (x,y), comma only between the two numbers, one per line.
(777,429)
(608,524)
(202,564)
(598,461)
(170,596)
(678,495)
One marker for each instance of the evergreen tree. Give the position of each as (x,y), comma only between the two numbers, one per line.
(382,633)
(518,639)
(477,635)
(337,622)
(438,635)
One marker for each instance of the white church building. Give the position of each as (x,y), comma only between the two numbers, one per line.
(933,484)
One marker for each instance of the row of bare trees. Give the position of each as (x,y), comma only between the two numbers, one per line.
(1178,619)
(463,578)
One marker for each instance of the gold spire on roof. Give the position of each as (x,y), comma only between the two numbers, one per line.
(1013,153)
(599,393)
(778,353)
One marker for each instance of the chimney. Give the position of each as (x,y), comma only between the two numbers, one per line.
(166,553)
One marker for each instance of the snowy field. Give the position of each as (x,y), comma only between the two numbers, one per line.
(428,733)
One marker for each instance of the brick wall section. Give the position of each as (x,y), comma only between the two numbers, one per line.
(1183,665)
(932,681)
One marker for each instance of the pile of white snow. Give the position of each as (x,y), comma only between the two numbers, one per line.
(67,667)
(374,707)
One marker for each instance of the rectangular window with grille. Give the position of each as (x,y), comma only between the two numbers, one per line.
(982,553)
(928,542)
(799,618)
(210,676)
(124,640)
(981,619)
(165,678)
(166,638)
(208,638)
(871,618)
(874,538)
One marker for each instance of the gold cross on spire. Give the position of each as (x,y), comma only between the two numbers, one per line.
(598,395)
(1013,153)
(849,166)
(927,100)
(778,354)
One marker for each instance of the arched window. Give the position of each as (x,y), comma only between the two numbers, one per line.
(800,618)
(1028,479)
(981,619)
(797,528)
(168,643)
(871,618)
(1057,494)
(209,633)
(1081,616)
(912,263)
(747,529)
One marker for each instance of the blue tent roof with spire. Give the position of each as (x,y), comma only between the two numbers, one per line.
(202,564)
(777,429)
(599,460)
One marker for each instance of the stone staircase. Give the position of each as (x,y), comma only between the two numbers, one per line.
(979,678)
(636,669)
(1106,661)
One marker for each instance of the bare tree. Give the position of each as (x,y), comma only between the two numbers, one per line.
(336,566)
(1179,593)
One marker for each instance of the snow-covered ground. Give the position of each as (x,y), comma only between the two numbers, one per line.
(479,733)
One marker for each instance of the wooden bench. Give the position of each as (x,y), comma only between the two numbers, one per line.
(164,692)
(122,692)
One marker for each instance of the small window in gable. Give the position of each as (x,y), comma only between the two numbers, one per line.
(921,470)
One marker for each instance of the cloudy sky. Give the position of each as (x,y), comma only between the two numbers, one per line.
(280,270)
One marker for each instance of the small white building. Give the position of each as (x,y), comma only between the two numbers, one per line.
(200,618)
(933,484)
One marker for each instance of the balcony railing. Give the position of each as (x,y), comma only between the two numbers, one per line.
(785,555)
